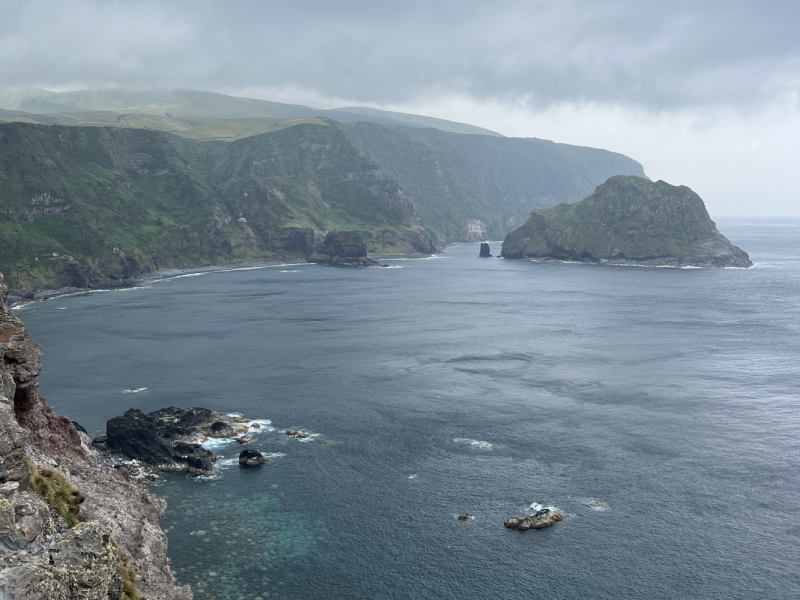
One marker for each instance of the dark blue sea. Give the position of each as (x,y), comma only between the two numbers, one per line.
(658,408)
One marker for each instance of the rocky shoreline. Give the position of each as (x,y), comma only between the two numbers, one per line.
(144,279)
(170,439)
(105,541)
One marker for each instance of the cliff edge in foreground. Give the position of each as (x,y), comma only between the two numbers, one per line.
(70,525)
(627,220)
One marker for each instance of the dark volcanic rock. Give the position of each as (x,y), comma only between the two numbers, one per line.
(156,442)
(252,458)
(541,519)
(485,251)
(345,248)
(627,220)
(221,429)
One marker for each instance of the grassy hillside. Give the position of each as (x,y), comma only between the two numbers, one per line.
(92,205)
(85,205)
(191,108)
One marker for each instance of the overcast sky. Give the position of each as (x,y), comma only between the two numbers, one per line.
(703,93)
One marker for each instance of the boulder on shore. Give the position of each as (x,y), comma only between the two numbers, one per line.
(541,519)
(252,458)
(485,251)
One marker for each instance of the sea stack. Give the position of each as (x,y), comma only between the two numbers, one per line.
(343,248)
(485,251)
(627,220)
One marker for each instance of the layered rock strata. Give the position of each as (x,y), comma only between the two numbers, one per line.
(41,558)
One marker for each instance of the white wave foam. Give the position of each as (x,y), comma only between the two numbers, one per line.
(134,390)
(393,267)
(292,271)
(212,443)
(596,505)
(479,444)
(535,506)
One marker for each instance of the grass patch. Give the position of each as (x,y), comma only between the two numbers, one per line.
(58,492)
(129,589)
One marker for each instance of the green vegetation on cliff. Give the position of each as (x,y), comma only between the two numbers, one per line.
(627,220)
(457,178)
(58,492)
(90,205)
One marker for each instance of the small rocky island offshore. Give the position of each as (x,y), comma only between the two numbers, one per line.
(627,220)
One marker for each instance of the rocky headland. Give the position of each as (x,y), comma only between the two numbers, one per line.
(627,220)
(71,526)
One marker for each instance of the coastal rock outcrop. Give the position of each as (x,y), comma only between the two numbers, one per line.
(627,220)
(485,251)
(343,248)
(114,521)
(160,441)
(542,518)
(220,429)
(252,458)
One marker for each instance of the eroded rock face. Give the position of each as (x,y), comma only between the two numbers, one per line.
(40,557)
(485,251)
(77,563)
(541,519)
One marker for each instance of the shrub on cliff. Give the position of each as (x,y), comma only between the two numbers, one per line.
(58,492)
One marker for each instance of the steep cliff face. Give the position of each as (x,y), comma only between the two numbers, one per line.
(41,557)
(96,206)
(628,220)
(458,178)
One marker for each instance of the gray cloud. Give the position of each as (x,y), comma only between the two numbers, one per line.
(649,54)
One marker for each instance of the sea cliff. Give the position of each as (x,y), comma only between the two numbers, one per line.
(71,526)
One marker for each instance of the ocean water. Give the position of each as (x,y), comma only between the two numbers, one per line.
(658,408)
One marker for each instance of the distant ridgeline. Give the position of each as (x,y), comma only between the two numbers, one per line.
(627,220)
(97,187)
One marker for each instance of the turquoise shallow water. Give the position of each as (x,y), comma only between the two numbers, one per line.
(670,395)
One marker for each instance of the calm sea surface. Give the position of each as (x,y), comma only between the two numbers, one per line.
(670,396)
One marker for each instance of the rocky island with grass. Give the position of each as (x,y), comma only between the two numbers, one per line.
(628,220)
